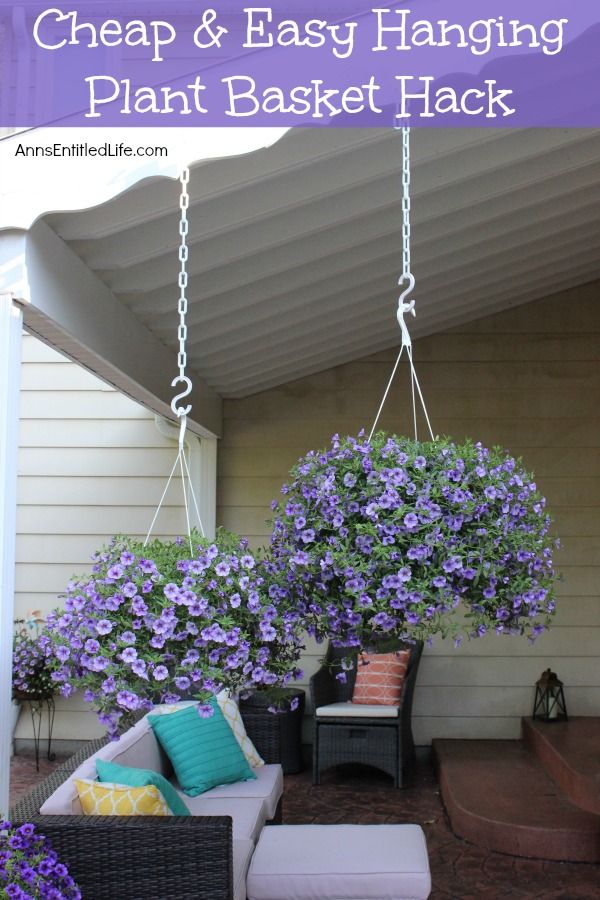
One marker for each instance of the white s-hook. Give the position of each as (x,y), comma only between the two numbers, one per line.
(181,410)
(404,308)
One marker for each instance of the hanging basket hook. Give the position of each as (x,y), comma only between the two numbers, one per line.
(404,308)
(181,410)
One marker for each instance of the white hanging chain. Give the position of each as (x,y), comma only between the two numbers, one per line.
(184,202)
(406,203)
(404,307)
(182,412)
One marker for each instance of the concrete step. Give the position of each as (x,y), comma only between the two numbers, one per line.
(570,753)
(499,796)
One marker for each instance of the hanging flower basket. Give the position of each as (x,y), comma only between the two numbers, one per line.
(395,537)
(158,623)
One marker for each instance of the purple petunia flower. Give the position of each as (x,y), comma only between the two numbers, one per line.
(160,673)
(267,632)
(139,667)
(171,591)
(411,521)
(128,700)
(139,606)
(301,558)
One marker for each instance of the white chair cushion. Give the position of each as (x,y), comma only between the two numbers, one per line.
(242,854)
(329,862)
(268,787)
(357,710)
(248,815)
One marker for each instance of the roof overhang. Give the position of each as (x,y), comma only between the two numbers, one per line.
(64,302)
(295,254)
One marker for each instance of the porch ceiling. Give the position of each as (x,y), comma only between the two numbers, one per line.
(295,249)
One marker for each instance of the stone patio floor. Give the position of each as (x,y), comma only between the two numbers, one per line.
(459,870)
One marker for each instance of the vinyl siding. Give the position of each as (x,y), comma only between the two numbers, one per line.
(91,464)
(527,379)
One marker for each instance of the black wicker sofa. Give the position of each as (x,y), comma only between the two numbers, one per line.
(142,857)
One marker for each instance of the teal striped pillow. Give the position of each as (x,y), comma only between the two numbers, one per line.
(204,752)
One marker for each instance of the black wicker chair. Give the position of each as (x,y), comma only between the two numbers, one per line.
(385,743)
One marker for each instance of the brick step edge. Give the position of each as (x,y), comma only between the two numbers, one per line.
(581,789)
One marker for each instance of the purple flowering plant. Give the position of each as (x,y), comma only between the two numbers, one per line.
(29,867)
(393,538)
(158,623)
(31,674)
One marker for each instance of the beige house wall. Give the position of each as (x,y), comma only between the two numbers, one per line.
(527,379)
(92,463)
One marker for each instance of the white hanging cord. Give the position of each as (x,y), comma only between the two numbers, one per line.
(164,494)
(182,412)
(403,307)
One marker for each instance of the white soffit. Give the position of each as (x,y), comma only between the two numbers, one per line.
(295,249)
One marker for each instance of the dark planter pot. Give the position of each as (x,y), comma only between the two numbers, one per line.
(33,696)
(276,736)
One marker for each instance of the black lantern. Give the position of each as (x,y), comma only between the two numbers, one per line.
(549,704)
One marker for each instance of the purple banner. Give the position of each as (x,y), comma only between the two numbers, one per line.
(474,63)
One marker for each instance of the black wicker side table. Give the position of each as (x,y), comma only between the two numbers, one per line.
(276,736)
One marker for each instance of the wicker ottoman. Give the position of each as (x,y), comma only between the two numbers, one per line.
(340,862)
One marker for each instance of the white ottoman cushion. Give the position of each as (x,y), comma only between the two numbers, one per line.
(340,862)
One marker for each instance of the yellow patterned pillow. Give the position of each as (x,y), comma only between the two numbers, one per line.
(108,799)
(230,710)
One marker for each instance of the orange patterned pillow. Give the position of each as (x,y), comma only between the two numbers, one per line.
(380,678)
